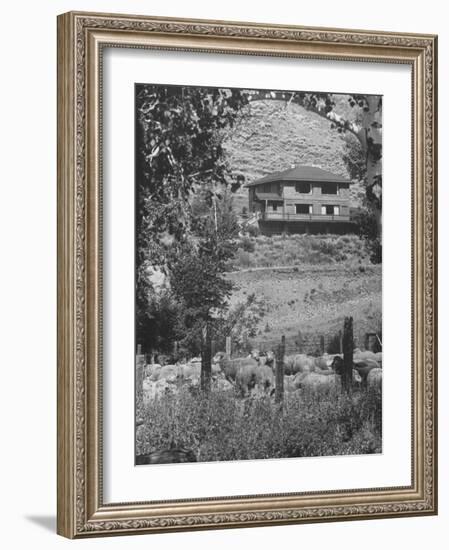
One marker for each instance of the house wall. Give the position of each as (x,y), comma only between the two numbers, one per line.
(270,187)
(287,192)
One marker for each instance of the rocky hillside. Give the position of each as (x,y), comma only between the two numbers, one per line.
(273,136)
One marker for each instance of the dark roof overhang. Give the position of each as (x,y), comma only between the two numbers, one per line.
(301,173)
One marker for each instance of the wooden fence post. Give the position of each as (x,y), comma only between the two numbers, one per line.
(206,360)
(322,344)
(279,375)
(371,339)
(340,341)
(348,351)
(366,343)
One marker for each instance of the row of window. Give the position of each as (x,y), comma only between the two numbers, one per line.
(303,187)
(326,209)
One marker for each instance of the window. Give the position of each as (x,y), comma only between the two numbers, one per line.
(270,188)
(274,206)
(330,209)
(303,208)
(303,187)
(329,189)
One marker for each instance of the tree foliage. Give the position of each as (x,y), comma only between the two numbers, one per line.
(242,322)
(364,156)
(365,126)
(197,269)
(184,221)
(180,131)
(366,221)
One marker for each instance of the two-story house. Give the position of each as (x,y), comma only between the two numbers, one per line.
(301,199)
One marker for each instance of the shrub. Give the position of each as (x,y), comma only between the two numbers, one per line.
(219,426)
(253,230)
(243,259)
(365,220)
(247,244)
(310,249)
(375,251)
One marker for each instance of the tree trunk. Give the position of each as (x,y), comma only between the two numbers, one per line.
(348,351)
(371,143)
(279,372)
(373,170)
(206,360)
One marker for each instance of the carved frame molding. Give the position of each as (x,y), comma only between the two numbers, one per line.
(81,37)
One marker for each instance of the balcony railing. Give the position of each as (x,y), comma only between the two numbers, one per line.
(283,216)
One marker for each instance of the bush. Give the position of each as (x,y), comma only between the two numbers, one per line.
(247,244)
(221,427)
(309,250)
(243,259)
(253,230)
(365,220)
(375,250)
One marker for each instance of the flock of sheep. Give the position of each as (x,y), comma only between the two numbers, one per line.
(254,375)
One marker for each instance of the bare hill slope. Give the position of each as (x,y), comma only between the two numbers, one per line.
(273,135)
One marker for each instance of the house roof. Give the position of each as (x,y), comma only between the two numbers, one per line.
(301,173)
(269,197)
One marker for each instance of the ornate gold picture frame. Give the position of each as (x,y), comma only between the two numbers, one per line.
(82,40)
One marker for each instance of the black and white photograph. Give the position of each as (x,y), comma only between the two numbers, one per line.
(258,274)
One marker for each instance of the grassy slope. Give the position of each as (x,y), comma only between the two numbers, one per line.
(313,299)
(281,250)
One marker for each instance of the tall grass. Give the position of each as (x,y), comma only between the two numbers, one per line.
(220,427)
(277,250)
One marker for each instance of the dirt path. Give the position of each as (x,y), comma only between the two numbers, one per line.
(306,268)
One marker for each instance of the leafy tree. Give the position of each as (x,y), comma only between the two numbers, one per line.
(196,270)
(366,217)
(354,159)
(157,326)
(366,222)
(242,321)
(179,132)
(366,128)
